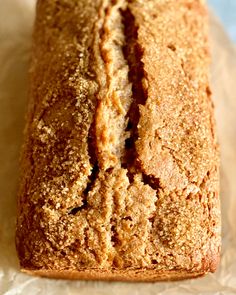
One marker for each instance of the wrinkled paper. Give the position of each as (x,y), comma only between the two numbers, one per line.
(16,19)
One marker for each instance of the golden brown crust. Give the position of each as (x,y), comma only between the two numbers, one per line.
(120,162)
(138,275)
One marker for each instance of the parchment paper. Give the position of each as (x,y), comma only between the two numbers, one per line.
(16,18)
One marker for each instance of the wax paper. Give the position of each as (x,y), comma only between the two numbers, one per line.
(16,20)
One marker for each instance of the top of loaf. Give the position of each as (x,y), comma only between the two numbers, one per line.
(120,159)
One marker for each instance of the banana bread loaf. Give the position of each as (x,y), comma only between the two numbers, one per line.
(120,165)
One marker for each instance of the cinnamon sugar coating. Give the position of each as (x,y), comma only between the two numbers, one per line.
(120,165)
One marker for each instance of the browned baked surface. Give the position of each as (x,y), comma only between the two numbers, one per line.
(120,162)
(139,274)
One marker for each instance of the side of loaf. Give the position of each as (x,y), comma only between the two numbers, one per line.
(120,165)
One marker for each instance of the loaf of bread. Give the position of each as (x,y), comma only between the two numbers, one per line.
(120,165)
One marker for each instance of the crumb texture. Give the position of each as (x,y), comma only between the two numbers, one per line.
(120,162)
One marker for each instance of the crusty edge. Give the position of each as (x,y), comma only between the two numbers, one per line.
(128,275)
(135,275)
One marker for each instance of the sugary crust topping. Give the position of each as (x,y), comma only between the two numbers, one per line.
(120,162)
